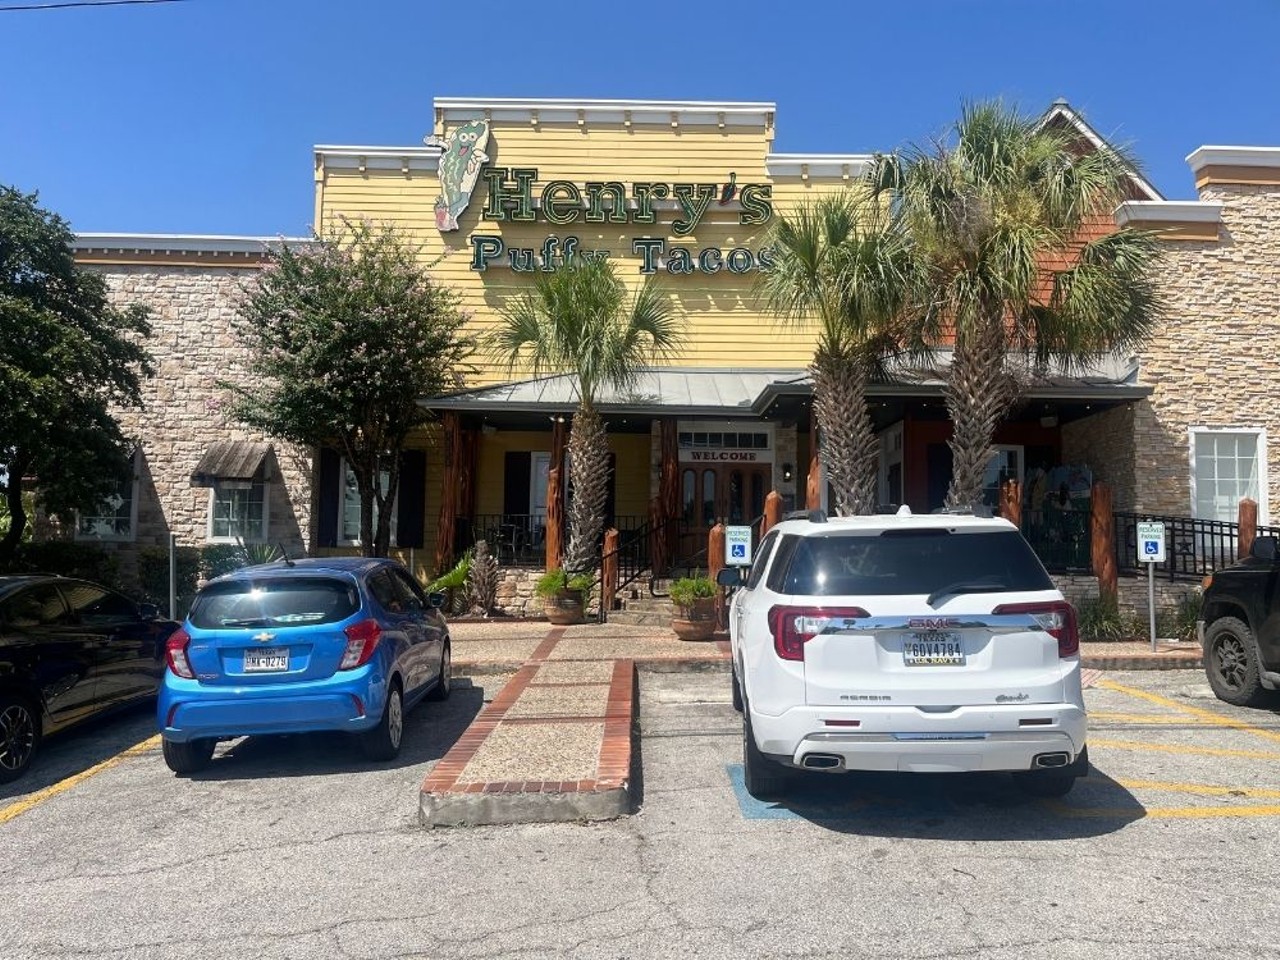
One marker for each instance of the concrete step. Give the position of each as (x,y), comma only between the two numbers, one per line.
(633,618)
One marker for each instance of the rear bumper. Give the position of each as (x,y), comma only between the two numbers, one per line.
(907,739)
(190,710)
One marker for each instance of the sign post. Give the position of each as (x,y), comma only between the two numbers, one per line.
(737,546)
(1151,552)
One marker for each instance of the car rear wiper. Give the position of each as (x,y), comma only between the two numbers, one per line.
(966,586)
(248,622)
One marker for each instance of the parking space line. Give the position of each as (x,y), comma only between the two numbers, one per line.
(1179,748)
(1159,813)
(1201,790)
(1208,716)
(1144,718)
(62,786)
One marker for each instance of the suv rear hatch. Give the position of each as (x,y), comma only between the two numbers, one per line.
(271,629)
(927,617)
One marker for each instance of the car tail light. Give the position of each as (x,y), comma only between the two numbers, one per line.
(1057,618)
(362,640)
(175,654)
(793,627)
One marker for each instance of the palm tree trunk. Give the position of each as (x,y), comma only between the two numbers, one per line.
(589,474)
(978,392)
(848,437)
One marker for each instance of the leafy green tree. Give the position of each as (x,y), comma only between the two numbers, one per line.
(346,335)
(841,268)
(68,359)
(579,319)
(987,213)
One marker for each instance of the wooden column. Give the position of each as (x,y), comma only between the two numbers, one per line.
(1248,519)
(658,556)
(669,486)
(447,521)
(772,512)
(555,496)
(1102,529)
(609,571)
(813,483)
(715,563)
(1011,502)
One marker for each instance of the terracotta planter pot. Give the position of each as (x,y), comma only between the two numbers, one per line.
(696,622)
(565,608)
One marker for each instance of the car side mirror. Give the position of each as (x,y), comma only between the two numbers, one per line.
(1265,548)
(148,611)
(730,577)
(436,600)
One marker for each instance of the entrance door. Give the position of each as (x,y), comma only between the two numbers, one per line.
(732,494)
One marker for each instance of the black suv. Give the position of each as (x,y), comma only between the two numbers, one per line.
(69,650)
(1240,627)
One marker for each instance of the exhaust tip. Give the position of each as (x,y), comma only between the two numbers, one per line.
(821,761)
(1044,760)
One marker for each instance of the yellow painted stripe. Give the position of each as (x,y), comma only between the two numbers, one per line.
(1160,813)
(1148,718)
(1207,715)
(62,786)
(1200,789)
(1178,748)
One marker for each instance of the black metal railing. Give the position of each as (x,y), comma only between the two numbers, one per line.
(1193,547)
(515,539)
(1060,538)
(633,559)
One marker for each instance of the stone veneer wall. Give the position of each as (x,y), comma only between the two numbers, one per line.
(1133,592)
(184,409)
(1213,362)
(1104,441)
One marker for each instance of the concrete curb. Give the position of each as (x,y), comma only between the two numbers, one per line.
(1191,660)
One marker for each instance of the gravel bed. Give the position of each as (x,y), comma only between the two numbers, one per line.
(561,702)
(575,671)
(545,751)
(614,648)
(516,650)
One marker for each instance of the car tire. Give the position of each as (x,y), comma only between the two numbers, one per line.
(1058,783)
(1231,662)
(383,741)
(190,757)
(737,691)
(20,732)
(763,778)
(444,685)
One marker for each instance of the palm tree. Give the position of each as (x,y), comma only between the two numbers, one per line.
(841,266)
(580,319)
(1006,273)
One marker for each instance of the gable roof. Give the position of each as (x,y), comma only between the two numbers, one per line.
(1062,112)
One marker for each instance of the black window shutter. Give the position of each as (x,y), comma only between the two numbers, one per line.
(330,498)
(515,482)
(411,498)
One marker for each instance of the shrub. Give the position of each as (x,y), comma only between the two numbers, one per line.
(454,579)
(553,581)
(153,575)
(1180,624)
(219,558)
(686,590)
(482,580)
(67,558)
(1101,620)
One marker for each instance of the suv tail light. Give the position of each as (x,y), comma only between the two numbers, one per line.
(362,640)
(793,627)
(1057,618)
(175,654)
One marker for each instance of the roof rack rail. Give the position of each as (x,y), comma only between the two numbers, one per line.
(813,516)
(887,508)
(972,510)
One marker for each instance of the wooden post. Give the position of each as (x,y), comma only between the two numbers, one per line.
(772,512)
(555,497)
(813,482)
(658,557)
(609,571)
(715,563)
(449,487)
(669,486)
(1011,502)
(1102,528)
(1248,519)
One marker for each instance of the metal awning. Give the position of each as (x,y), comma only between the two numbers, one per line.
(235,461)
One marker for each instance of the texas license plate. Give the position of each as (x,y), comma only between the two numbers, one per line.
(932,650)
(266,660)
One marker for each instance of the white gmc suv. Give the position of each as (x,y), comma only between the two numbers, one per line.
(933,644)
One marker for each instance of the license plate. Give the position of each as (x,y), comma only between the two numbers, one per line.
(266,660)
(932,650)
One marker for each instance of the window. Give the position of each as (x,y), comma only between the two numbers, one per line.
(350,533)
(1005,464)
(291,601)
(238,510)
(1228,465)
(38,606)
(761,561)
(116,517)
(95,606)
(411,594)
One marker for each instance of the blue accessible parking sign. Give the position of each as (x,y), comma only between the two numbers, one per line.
(737,546)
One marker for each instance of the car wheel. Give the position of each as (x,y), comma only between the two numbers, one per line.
(764,779)
(737,691)
(1231,662)
(190,757)
(1058,783)
(444,685)
(383,741)
(19,735)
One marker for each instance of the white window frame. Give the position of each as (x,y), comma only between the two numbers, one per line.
(999,448)
(132,535)
(266,515)
(1264,496)
(343,470)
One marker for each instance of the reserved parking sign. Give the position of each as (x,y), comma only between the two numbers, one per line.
(737,546)
(1151,543)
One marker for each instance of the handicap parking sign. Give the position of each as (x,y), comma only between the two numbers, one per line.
(1150,542)
(737,542)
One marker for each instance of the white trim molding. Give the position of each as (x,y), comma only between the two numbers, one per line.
(1218,156)
(181,243)
(1264,490)
(825,166)
(1061,108)
(626,113)
(403,159)
(1134,212)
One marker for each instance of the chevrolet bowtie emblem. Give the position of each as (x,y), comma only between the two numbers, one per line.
(264,637)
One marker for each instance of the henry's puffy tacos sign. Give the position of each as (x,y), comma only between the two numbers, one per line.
(563,203)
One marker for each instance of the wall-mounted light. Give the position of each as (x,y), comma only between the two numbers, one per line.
(788,473)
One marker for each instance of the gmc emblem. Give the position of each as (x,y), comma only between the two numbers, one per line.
(932,623)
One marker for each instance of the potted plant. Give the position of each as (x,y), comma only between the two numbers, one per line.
(564,596)
(695,602)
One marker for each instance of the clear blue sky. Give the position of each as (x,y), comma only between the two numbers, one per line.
(199,116)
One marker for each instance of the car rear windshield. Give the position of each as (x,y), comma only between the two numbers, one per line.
(908,562)
(287,601)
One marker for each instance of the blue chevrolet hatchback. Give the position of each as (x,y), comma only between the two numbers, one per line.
(298,646)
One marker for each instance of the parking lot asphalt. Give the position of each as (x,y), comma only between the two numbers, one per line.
(300,848)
